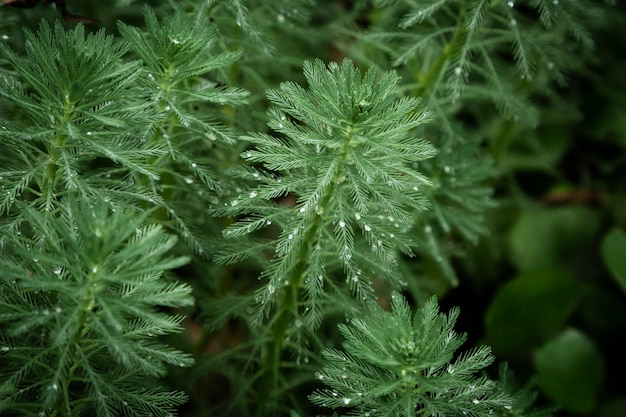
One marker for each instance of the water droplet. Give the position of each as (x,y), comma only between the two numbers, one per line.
(458,71)
(54,386)
(5,349)
(253,194)
(271,289)
(175,41)
(5,37)
(89,133)
(268,222)
(344,376)
(511,3)
(319,376)
(302,209)
(188,180)
(342,224)
(451,369)
(447,169)
(347,401)
(94,269)
(234,203)
(193,165)
(416,188)
(514,22)
(428,229)
(357,216)
(367,228)
(475,401)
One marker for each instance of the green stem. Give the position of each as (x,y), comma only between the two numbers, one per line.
(288,304)
(50,174)
(427,79)
(88,303)
(287,310)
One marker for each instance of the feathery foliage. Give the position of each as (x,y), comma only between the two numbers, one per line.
(312,171)
(79,310)
(395,363)
(345,153)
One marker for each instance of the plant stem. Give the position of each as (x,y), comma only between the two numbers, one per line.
(288,305)
(426,80)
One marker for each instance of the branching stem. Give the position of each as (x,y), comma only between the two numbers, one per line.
(288,305)
(428,78)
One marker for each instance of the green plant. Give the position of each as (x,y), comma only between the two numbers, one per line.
(313,174)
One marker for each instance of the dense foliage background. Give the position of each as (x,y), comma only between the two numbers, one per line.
(529,234)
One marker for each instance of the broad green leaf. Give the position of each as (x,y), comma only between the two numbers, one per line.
(570,370)
(542,237)
(614,408)
(529,309)
(614,254)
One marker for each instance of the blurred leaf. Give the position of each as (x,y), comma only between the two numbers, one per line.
(614,408)
(529,309)
(570,370)
(614,254)
(545,236)
(603,309)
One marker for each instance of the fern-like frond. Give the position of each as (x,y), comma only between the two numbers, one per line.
(83,308)
(345,147)
(400,363)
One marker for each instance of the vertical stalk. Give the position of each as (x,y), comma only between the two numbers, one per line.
(87,304)
(50,175)
(425,80)
(288,304)
(287,310)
